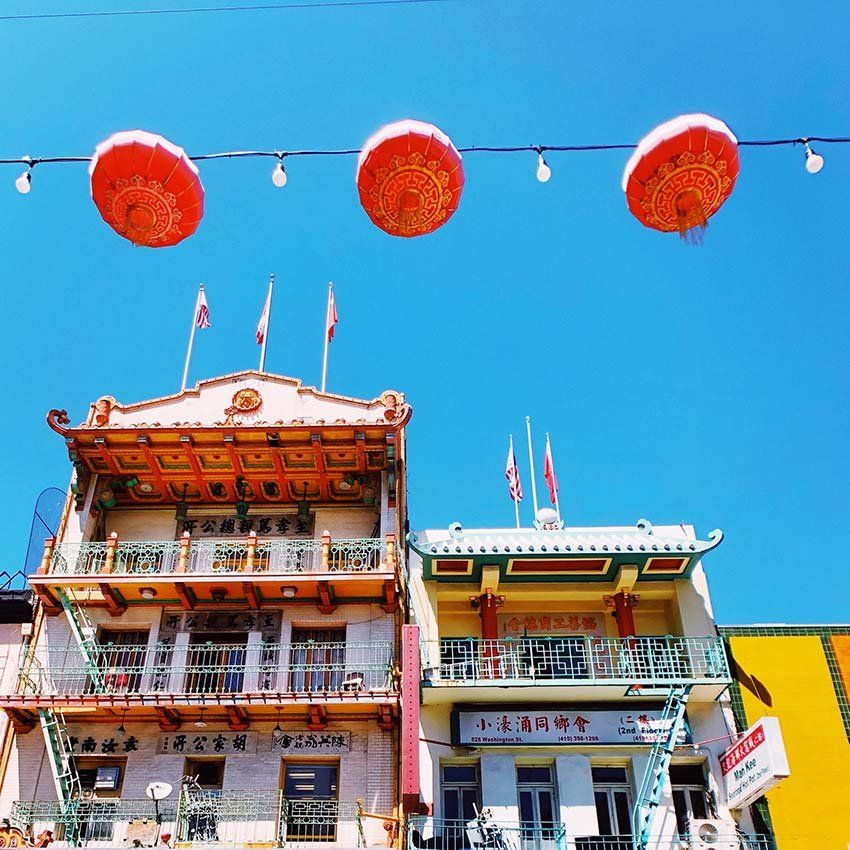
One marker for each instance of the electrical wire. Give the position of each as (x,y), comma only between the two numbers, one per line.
(280,155)
(257,7)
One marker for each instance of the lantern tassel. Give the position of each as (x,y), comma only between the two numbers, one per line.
(692,219)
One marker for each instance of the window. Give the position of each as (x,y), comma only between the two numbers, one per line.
(100,781)
(122,659)
(216,663)
(691,799)
(537,807)
(208,772)
(310,798)
(612,796)
(317,660)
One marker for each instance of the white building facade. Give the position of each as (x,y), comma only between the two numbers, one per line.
(573,688)
(220,614)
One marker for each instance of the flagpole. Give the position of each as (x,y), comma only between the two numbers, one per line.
(268,325)
(327,338)
(555,477)
(516,501)
(531,461)
(191,338)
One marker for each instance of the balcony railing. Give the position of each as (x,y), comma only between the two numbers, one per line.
(234,818)
(580,660)
(428,833)
(211,668)
(276,556)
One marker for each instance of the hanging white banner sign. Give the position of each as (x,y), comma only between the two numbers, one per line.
(561,726)
(754,763)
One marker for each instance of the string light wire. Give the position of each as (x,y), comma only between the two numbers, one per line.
(188,10)
(31,161)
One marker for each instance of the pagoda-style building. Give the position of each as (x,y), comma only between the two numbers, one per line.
(220,614)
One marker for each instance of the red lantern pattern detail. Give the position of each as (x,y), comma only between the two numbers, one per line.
(410,178)
(681,174)
(146,189)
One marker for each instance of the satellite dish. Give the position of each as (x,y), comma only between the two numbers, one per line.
(158,790)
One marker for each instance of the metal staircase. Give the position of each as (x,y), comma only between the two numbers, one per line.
(85,633)
(649,795)
(66,778)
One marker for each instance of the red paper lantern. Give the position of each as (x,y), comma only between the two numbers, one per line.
(681,174)
(146,188)
(410,178)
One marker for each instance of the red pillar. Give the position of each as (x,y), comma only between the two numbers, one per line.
(487,604)
(624,604)
(410,718)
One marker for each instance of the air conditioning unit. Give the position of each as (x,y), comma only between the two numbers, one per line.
(712,834)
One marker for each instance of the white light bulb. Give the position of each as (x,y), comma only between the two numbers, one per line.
(543,170)
(814,162)
(279,175)
(22,184)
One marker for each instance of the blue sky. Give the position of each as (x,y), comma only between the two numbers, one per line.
(707,385)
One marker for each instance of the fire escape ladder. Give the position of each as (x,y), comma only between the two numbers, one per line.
(85,633)
(63,765)
(649,795)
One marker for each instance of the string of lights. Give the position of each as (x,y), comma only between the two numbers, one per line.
(813,161)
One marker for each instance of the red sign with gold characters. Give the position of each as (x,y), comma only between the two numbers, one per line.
(754,763)
(582,623)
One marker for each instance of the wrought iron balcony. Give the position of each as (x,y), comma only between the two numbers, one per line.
(275,556)
(428,833)
(210,668)
(580,660)
(234,818)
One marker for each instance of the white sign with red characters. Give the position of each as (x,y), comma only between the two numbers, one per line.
(754,763)
(511,727)
(533,625)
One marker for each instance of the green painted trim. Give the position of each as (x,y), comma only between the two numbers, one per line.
(618,560)
(823,632)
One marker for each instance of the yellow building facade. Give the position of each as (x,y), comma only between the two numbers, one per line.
(800,674)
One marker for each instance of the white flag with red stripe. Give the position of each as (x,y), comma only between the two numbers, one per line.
(332,317)
(512,474)
(263,324)
(202,317)
(549,473)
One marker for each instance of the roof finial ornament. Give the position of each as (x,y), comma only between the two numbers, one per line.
(644,525)
(456,530)
(547,520)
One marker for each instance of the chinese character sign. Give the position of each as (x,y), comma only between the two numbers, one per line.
(206,742)
(540,625)
(754,763)
(306,743)
(102,745)
(562,726)
(273,525)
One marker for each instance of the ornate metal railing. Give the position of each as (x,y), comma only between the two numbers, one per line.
(428,833)
(438,834)
(91,820)
(196,817)
(280,556)
(580,659)
(212,668)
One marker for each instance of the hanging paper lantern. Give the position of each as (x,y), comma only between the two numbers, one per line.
(681,173)
(410,178)
(146,188)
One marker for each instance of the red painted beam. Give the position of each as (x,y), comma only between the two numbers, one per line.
(252,594)
(317,718)
(115,603)
(390,603)
(169,719)
(186,595)
(237,719)
(327,603)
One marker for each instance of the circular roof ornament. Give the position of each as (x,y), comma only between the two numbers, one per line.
(681,174)
(409,178)
(146,188)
